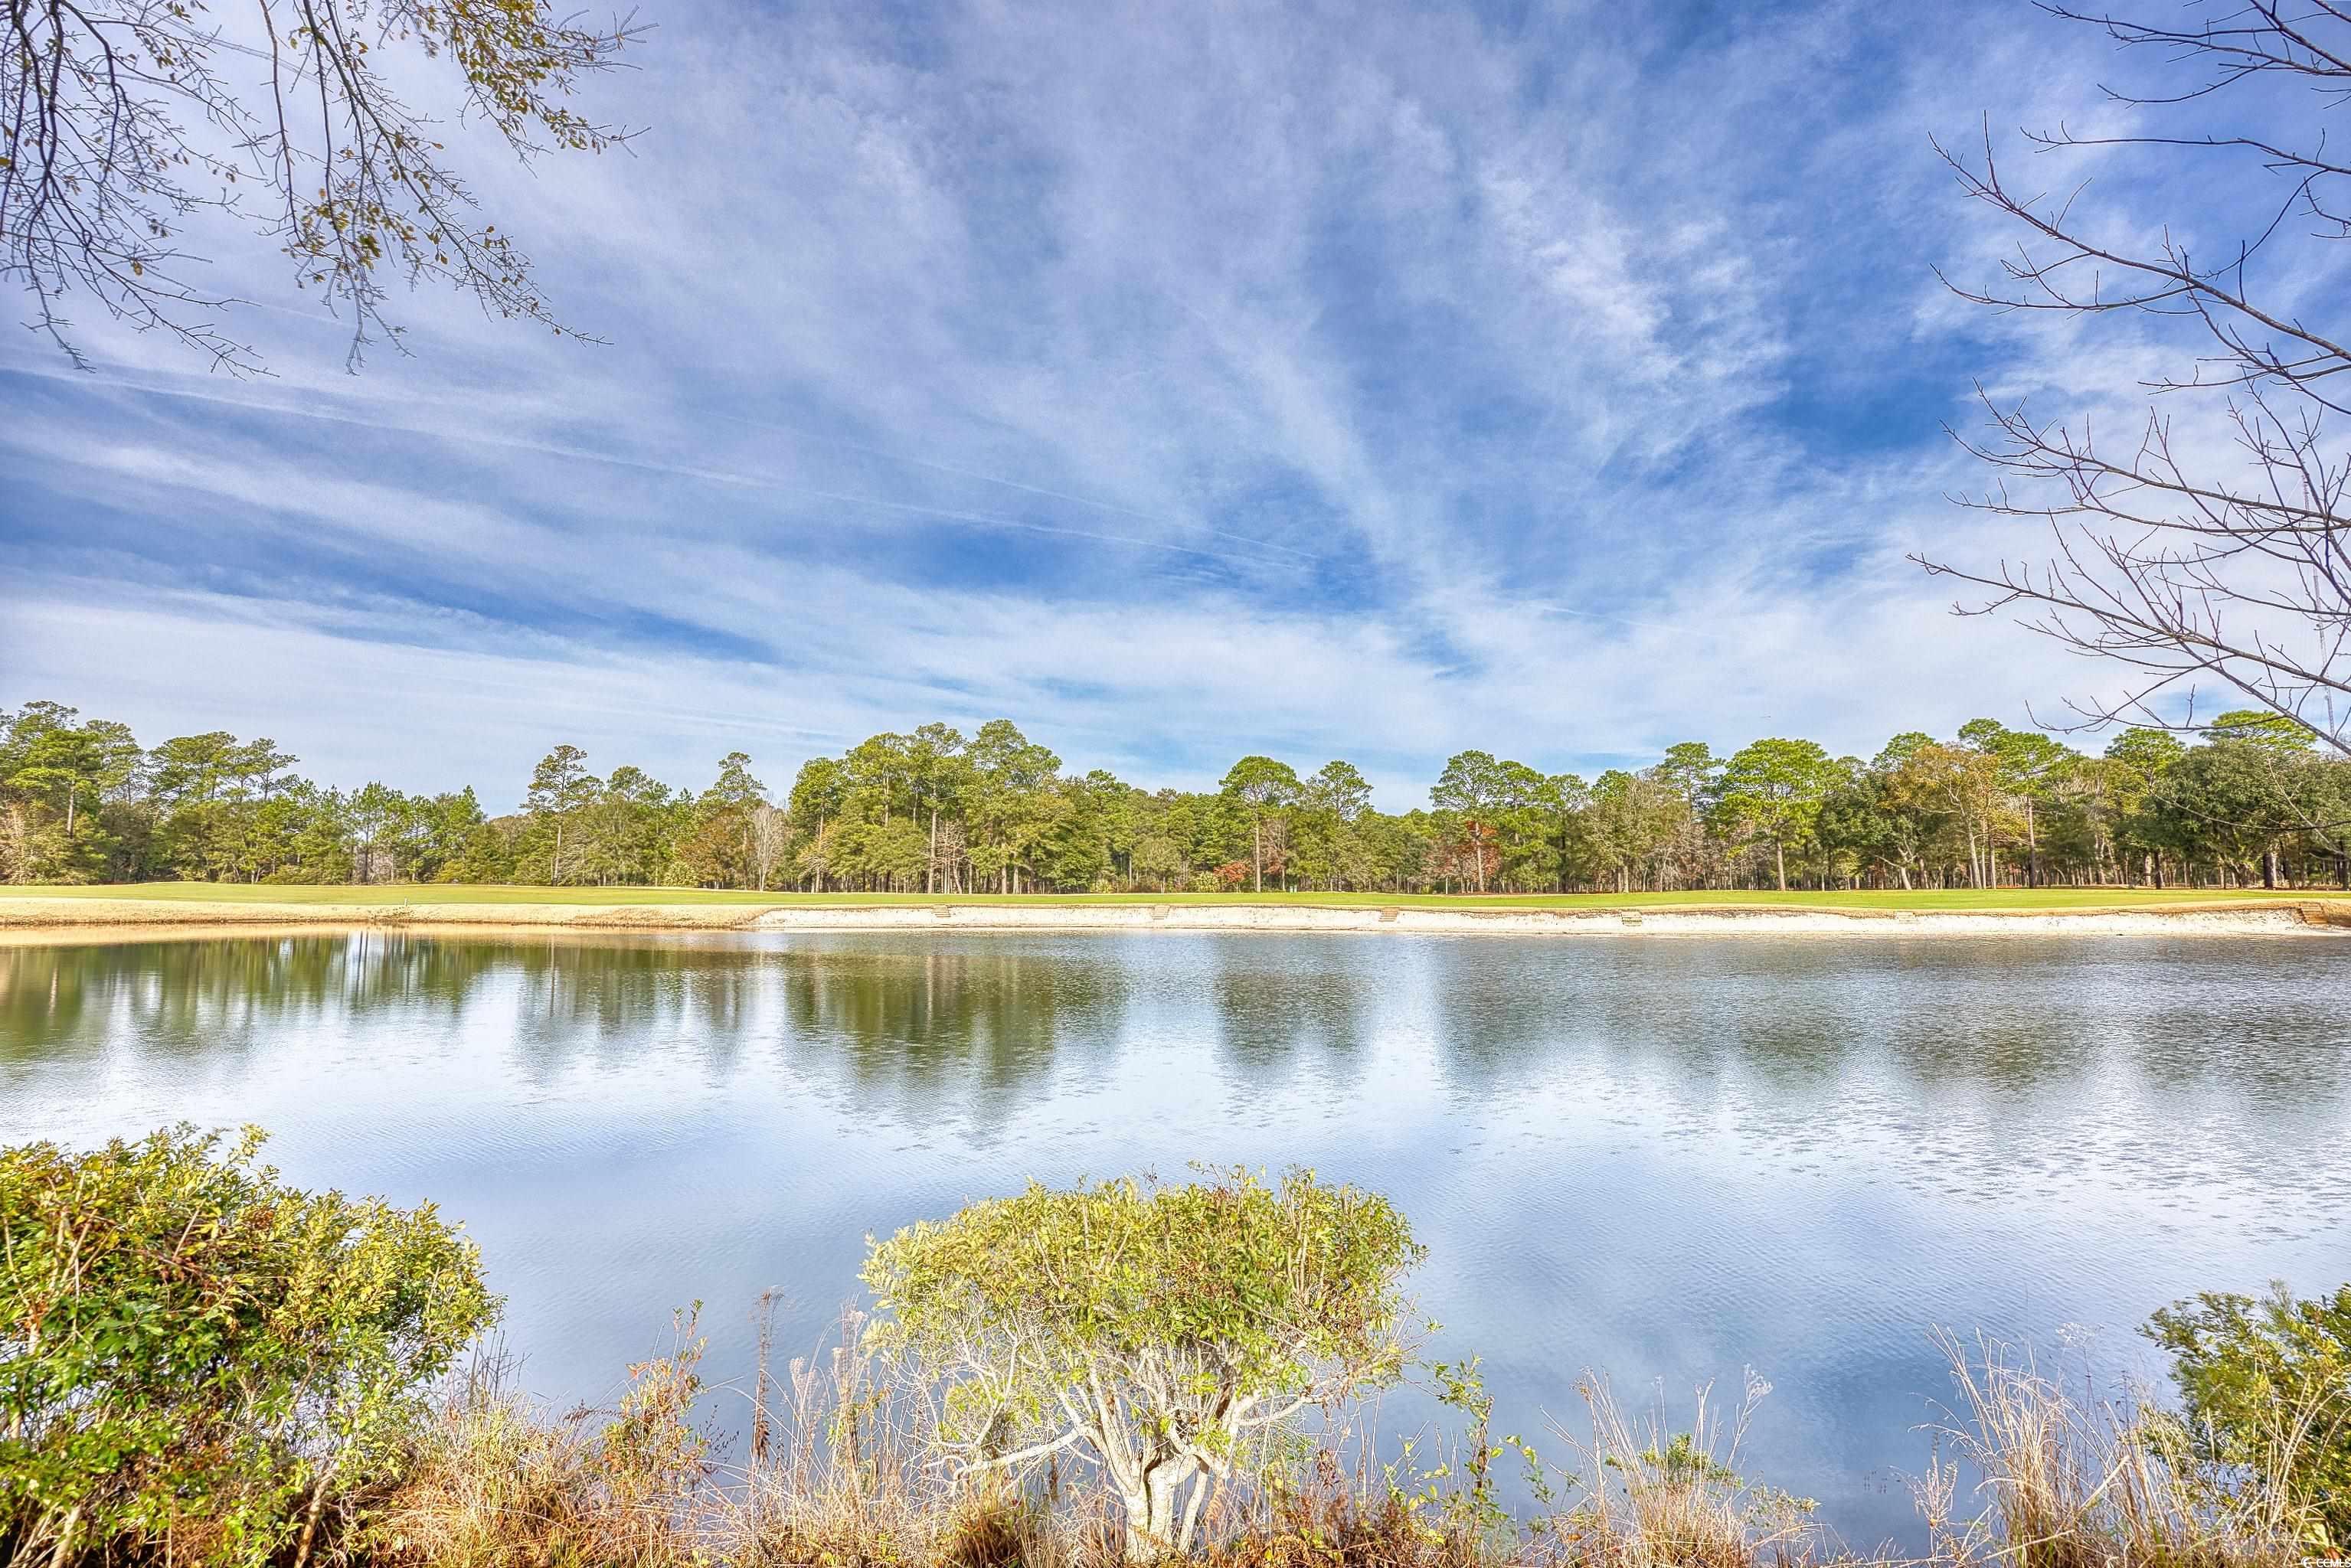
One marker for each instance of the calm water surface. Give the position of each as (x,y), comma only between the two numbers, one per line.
(1665,1159)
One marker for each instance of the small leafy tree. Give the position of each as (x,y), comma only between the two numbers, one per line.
(1154,1330)
(2267,1385)
(198,1360)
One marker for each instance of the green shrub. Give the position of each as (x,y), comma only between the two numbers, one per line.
(200,1361)
(2268,1389)
(1161,1330)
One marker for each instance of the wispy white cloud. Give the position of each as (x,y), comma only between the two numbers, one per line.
(1178,383)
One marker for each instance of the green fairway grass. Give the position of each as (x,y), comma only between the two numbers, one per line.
(412,894)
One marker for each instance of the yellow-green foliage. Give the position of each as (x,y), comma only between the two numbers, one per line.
(198,1358)
(1264,1282)
(2268,1389)
(1161,1328)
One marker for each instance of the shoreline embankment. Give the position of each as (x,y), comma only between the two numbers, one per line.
(36,920)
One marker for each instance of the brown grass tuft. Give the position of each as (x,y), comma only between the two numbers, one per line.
(839,1475)
(1656,1496)
(494,1480)
(2087,1481)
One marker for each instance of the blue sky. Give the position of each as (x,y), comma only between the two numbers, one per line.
(1176,380)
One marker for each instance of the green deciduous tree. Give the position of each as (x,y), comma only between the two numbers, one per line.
(1950,788)
(1629,821)
(2240,798)
(2251,727)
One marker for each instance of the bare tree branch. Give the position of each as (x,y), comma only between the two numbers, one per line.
(121,122)
(2186,565)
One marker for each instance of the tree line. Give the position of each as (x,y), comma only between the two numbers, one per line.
(2252,799)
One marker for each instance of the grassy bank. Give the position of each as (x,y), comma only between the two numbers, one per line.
(2016,900)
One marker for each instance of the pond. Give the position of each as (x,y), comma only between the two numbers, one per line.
(1666,1160)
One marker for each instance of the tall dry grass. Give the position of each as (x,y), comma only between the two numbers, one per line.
(836,1473)
(2031,1470)
(2067,1480)
(495,1480)
(1656,1495)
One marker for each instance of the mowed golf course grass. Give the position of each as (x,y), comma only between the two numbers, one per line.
(409,895)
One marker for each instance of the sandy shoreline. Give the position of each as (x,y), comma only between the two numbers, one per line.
(31,920)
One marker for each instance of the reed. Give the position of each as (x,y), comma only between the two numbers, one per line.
(1655,1494)
(2031,1470)
(495,1480)
(2087,1480)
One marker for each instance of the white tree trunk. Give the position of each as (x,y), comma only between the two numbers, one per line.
(1152,1530)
